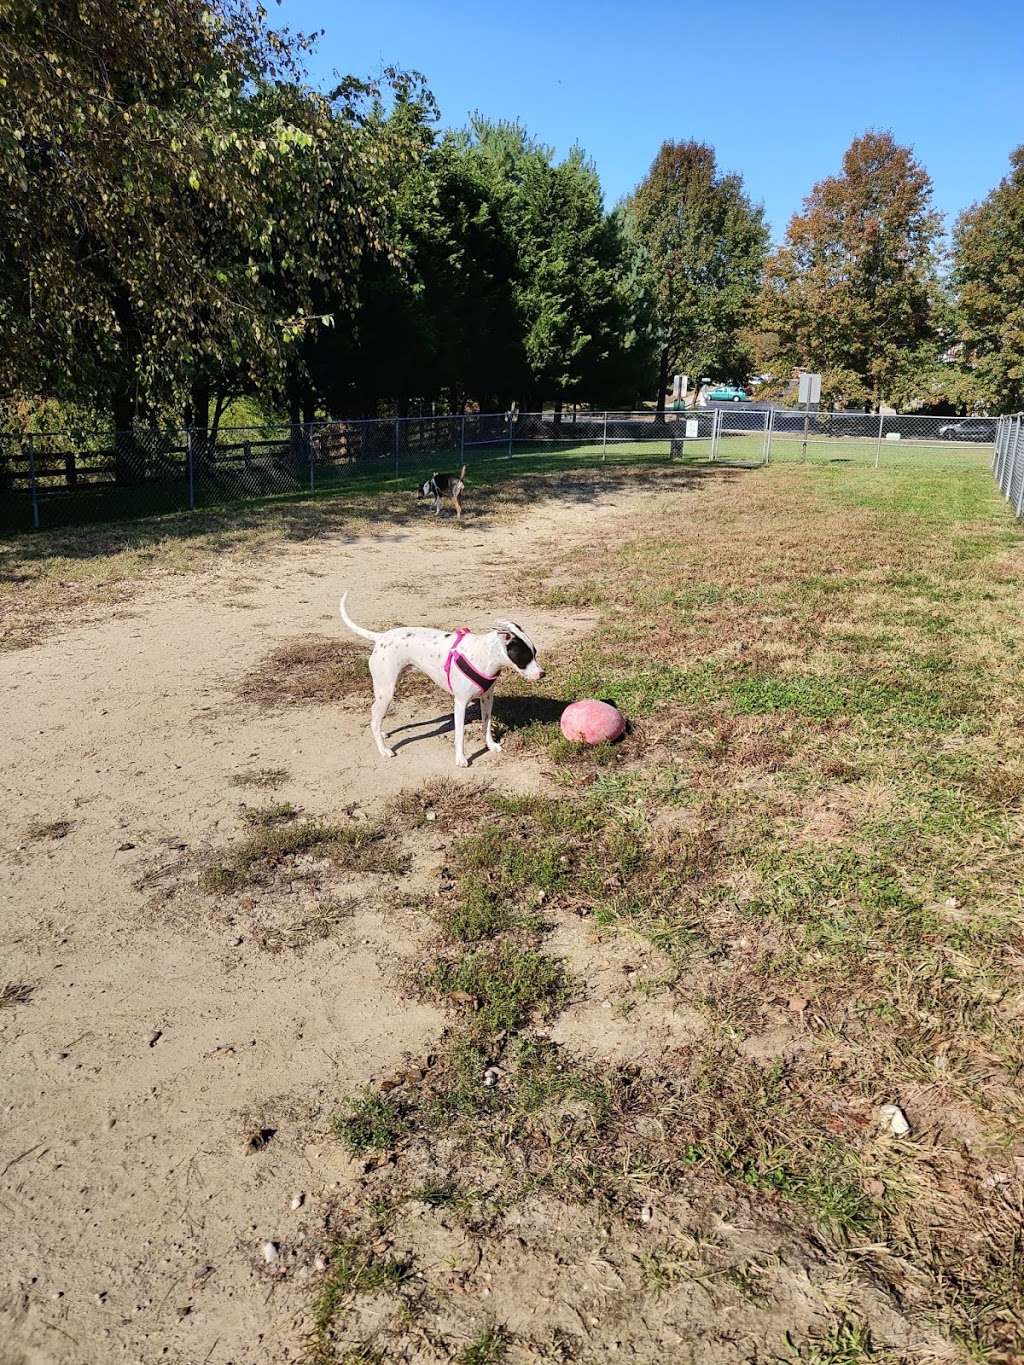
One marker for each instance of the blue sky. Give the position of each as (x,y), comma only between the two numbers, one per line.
(778,89)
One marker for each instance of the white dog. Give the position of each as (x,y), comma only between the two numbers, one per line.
(465,665)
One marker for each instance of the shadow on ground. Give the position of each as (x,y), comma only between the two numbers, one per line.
(391,511)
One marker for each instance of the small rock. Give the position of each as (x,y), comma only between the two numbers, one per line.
(101,1297)
(606,1004)
(320,1263)
(646,1213)
(891,1119)
(874,1187)
(298,1200)
(492,1075)
(270,1252)
(125,848)
(237,941)
(155,1037)
(431,815)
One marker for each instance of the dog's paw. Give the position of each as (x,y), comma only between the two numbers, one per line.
(494,746)
(462,763)
(387,753)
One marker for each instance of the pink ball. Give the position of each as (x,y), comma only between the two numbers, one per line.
(592,722)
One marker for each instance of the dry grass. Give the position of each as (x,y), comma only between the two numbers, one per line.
(16,993)
(42,830)
(315,670)
(266,779)
(817,824)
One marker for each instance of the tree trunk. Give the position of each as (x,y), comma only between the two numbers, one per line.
(198,414)
(662,380)
(125,404)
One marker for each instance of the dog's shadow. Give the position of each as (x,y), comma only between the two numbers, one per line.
(512,713)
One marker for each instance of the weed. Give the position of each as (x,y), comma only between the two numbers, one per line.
(490,1348)
(353,1270)
(263,817)
(356,847)
(371,1123)
(505,985)
(845,1343)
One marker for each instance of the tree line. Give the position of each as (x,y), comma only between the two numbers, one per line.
(185,220)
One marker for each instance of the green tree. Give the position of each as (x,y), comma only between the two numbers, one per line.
(988,272)
(174,202)
(705,243)
(571,276)
(853,292)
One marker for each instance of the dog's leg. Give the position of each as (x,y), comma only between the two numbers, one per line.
(384,680)
(458,505)
(486,707)
(461,761)
(437,507)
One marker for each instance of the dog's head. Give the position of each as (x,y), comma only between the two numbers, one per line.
(520,650)
(425,490)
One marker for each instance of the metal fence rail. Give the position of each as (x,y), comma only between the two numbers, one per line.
(54,478)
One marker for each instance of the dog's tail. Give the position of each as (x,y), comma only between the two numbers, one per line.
(462,474)
(356,630)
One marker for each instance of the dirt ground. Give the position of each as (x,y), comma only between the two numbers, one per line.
(155,1047)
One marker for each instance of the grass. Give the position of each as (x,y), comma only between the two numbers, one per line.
(816,826)
(273,845)
(845,1343)
(371,1123)
(489,1348)
(353,1271)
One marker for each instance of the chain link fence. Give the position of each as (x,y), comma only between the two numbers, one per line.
(53,479)
(1008,461)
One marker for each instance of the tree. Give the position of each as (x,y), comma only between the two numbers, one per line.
(174,202)
(988,272)
(705,242)
(853,291)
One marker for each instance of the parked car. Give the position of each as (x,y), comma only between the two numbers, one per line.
(968,429)
(725,393)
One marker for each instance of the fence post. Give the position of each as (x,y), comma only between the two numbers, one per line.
(878,440)
(309,452)
(766,444)
(716,423)
(510,433)
(33,484)
(397,420)
(604,440)
(190,464)
(462,439)
(1016,457)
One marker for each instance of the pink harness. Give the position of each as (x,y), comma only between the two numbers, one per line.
(482,681)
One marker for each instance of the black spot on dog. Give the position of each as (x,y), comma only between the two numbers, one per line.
(519,652)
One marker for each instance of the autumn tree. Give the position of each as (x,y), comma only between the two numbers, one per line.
(852,293)
(988,272)
(705,243)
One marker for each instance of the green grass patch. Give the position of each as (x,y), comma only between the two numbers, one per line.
(372,1122)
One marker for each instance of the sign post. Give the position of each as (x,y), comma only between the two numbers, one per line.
(809,398)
